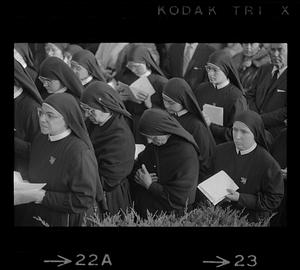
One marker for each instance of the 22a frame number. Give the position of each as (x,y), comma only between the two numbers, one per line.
(251,261)
(93,260)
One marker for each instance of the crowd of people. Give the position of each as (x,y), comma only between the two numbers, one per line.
(78,122)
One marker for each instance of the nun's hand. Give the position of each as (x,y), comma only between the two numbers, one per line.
(141,95)
(284,173)
(148,102)
(206,118)
(233,195)
(143,177)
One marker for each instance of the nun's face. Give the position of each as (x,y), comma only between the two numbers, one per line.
(52,121)
(242,136)
(137,68)
(52,50)
(80,71)
(52,86)
(96,116)
(215,74)
(157,140)
(171,105)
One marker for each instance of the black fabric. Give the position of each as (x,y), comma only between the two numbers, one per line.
(176,165)
(56,69)
(141,54)
(254,122)
(223,60)
(100,93)
(258,176)
(230,99)
(72,182)
(68,107)
(156,122)
(88,60)
(25,81)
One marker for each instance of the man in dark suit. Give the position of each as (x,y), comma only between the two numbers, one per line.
(268,94)
(188,60)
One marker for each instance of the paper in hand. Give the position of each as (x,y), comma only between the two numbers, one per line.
(214,113)
(215,187)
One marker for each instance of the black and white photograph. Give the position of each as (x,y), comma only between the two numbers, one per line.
(155,145)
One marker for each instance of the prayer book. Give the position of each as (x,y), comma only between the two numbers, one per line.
(125,90)
(215,187)
(142,84)
(214,113)
(138,149)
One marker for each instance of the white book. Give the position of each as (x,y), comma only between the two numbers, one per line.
(142,84)
(138,149)
(23,185)
(214,113)
(215,187)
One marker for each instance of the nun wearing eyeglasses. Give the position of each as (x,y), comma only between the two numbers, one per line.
(140,63)
(248,162)
(86,67)
(166,172)
(113,142)
(224,90)
(65,161)
(180,101)
(58,77)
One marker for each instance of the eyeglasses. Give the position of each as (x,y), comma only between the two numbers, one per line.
(49,115)
(87,109)
(134,65)
(75,65)
(213,69)
(45,81)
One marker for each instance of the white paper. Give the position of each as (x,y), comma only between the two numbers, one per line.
(214,113)
(215,187)
(23,185)
(138,149)
(142,84)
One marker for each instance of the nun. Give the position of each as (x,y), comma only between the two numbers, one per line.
(113,142)
(58,77)
(224,90)
(26,124)
(65,161)
(180,101)
(86,67)
(166,172)
(248,162)
(140,63)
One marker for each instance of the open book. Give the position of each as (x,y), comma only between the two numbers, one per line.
(142,84)
(214,113)
(215,187)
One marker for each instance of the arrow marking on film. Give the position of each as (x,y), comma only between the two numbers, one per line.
(222,261)
(62,262)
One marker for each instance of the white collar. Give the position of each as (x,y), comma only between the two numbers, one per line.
(59,136)
(244,152)
(86,80)
(19,58)
(280,71)
(223,84)
(183,112)
(146,74)
(18,92)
